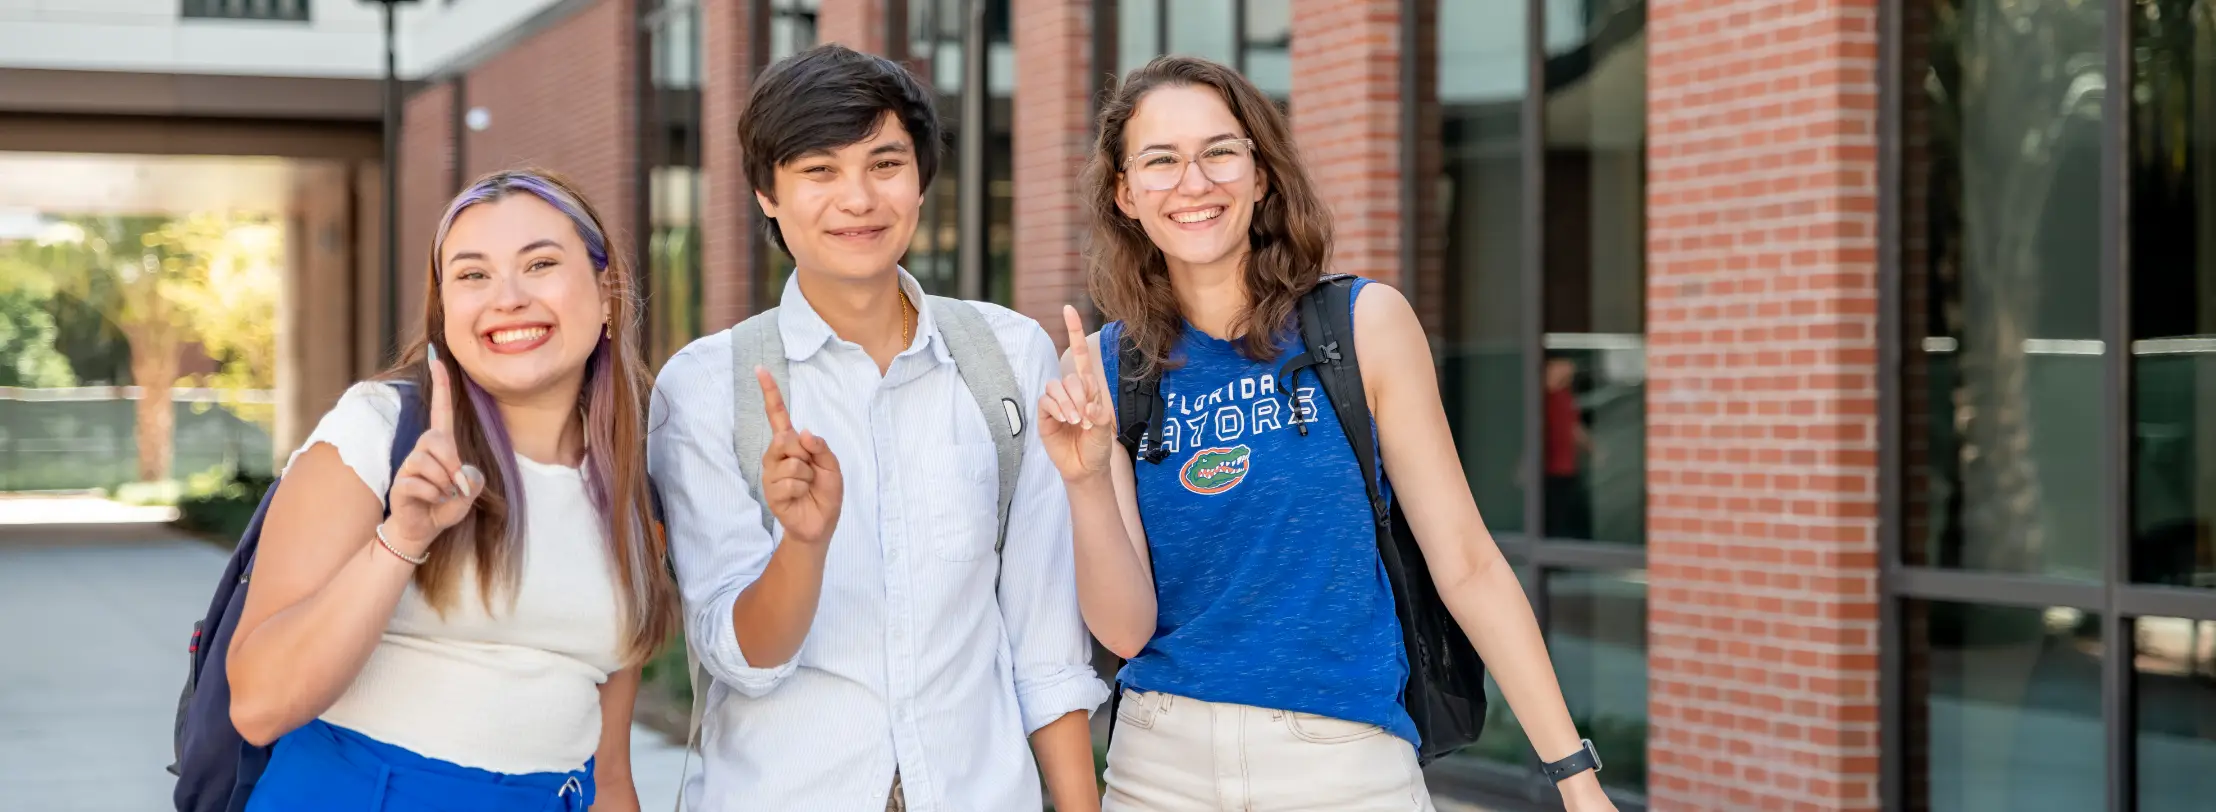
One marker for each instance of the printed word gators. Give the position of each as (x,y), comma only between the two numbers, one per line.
(1238,409)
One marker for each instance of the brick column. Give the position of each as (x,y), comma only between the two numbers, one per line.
(427,132)
(315,339)
(1346,117)
(1053,139)
(856,24)
(1762,403)
(731,241)
(564,99)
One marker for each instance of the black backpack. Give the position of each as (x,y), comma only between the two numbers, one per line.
(1445,694)
(216,769)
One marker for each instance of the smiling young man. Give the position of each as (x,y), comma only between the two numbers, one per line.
(895,641)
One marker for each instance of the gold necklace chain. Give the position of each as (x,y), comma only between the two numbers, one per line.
(907,321)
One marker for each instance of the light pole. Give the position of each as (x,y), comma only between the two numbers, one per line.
(389,314)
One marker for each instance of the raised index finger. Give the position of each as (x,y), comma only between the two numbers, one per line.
(773,402)
(1081,350)
(442,396)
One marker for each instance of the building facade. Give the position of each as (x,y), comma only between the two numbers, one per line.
(1839,376)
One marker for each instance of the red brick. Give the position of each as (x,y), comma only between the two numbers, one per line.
(563,99)
(731,240)
(856,24)
(1346,105)
(1053,139)
(1762,397)
(427,129)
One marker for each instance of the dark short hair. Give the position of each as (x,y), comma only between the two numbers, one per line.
(828,97)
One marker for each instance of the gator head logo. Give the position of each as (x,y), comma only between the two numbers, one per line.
(1215,470)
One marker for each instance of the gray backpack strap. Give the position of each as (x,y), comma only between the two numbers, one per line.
(754,342)
(983,365)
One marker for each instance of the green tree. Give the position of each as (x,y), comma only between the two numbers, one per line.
(160,282)
(27,343)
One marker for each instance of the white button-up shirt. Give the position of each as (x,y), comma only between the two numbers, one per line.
(913,661)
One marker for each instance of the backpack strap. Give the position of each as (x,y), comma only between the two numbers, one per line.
(406,431)
(754,342)
(1140,407)
(983,365)
(1327,327)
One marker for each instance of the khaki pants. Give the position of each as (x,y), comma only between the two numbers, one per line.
(1178,754)
(898,801)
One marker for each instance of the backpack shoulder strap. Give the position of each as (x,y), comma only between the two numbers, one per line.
(754,342)
(983,365)
(1139,405)
(414,418)
(1326,314)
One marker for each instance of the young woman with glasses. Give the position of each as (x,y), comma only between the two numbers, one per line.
(1240,576)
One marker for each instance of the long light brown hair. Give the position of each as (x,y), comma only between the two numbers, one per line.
(611,405)
(1289,237)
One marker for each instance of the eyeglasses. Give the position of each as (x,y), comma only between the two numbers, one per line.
(1225,161)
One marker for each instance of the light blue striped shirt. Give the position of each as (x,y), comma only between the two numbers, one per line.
(912,662)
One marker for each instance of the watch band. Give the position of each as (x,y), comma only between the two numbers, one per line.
(1586,758)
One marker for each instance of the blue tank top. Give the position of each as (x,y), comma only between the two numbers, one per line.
(1267,580)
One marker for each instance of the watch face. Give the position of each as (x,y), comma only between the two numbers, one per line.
(1594,753)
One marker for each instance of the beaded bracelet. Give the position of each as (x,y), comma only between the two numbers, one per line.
(387,544)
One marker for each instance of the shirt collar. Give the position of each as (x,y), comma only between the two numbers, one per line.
(805,332)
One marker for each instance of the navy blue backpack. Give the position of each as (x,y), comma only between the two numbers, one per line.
(216,769)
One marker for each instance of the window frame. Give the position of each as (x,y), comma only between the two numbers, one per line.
(1536,556)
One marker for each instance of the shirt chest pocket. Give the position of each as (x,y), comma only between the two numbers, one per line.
(956,498)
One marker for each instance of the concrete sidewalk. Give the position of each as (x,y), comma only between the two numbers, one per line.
(98,621)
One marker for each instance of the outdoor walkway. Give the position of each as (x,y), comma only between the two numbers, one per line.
(98,600)
(97,617)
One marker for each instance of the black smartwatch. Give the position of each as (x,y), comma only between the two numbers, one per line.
(1586,758)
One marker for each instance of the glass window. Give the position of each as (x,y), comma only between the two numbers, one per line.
(1204,28)
(2001,241)
(2175,679)
(2173,279)
(1254,37)
(935,52)
(1138,33)
(1593,247)
(1597,637)
(2004,708)
(1269,46)
(671,113)
(792,29)
(1478,251)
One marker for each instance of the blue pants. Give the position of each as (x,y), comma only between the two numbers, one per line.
(325,767)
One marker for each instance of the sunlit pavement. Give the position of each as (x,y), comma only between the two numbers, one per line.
(98,601)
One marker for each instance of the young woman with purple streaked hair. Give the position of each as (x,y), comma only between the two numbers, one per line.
(476,646)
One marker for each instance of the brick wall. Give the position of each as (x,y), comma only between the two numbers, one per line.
(731,240)
(856,24)
(1053,138)
(565,100)
(1346,117)
(1762,401)
(426,185)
